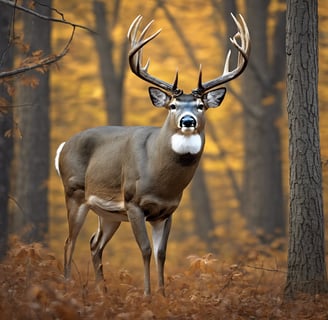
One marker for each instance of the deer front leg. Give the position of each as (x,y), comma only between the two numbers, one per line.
(137,220)
(160,234)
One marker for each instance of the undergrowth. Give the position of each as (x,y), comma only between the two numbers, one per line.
(32,286)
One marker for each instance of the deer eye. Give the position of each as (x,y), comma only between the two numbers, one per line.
(172,106)
(200,107)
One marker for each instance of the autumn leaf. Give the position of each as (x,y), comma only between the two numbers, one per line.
(31,81)
(8,133)
(11,90)
(14,132)
(31,4)
(42,69)
(37,53)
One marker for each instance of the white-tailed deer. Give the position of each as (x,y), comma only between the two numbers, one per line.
(138,174)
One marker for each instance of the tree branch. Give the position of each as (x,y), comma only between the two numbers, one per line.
(43,17)
(51,58)
(42,62)
(265,269)
(180,33)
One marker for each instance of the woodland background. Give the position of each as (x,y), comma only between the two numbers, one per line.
(247,263)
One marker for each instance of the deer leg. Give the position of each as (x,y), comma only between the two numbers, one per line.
(98,241)
(137,220)
(76,214)
(160,235)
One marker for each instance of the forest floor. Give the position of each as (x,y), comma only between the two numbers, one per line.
(32,286)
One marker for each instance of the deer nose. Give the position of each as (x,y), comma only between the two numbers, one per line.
(188,121)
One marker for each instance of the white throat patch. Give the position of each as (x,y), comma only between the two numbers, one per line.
(186,144)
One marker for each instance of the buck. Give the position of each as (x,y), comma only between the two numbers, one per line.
(138,174)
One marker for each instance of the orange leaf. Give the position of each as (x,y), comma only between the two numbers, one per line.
(37,53)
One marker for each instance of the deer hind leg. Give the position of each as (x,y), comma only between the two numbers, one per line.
(98,241)
(76,213)
(137,220)
(160,235)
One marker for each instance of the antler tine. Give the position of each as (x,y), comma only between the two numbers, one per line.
(246,37)
(146,28)
(140,40)
(227,62)
(133,28)
(175,84)
(138,43)
(243,54)
(135,55)
(200,88)
(243,35)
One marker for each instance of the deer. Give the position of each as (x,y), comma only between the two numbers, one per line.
(137,174)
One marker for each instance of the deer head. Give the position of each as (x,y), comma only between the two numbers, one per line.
(186,111)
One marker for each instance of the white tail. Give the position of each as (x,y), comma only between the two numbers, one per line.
(57,157)
(138,174)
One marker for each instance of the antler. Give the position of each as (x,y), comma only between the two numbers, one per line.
(135,56)
(243,48)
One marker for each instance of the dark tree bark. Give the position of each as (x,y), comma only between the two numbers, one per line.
(112,75)
(6,141)
(262,186)
(228,6)
(33,155)
(202,209)
(306,252)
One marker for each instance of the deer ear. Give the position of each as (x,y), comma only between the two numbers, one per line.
(213,99)
(158,97)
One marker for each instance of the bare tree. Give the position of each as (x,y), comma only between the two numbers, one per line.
(306,252)
(262,99)
(6,141)
(33,155)
(112,76)
(261,196)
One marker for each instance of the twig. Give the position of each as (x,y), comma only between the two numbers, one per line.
(24,105)
(265,269)
(17,204)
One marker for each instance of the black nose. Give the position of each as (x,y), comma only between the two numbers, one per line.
(188,122)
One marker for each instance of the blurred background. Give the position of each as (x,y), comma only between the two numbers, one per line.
(237,205)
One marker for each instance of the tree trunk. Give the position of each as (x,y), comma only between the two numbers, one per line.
(306,252)
(6,141)
(202,209)
(33,158)
(112,78)
(228,6)
(262,183)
